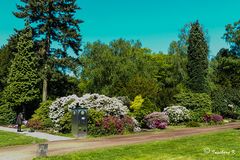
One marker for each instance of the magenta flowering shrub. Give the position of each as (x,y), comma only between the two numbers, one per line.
(213,118)
(156,120)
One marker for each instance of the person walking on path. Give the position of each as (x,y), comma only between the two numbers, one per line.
(19,121)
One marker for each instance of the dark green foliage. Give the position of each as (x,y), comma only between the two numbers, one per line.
(197,59)
(7,115)
(23,79)
(193,124)
(122,68)
(232,36)
(226,101)
(6,56)
(62,85)
(53,23)
(171,76)
(42,114)
(198,103)
(228,72)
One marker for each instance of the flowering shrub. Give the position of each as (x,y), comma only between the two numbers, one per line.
(63,105)
(213,118)
(111,125)
(156,120)
(34,124)
(177,114)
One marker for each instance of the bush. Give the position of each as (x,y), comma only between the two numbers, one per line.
(213,118)
(156,120)
(42,115)
(227,102)
(146,108)
(94,122)
(34,124)
(177,114)
(193,124)
(59,109)
(7,115)
(110,125)
(137,103)
(198,103)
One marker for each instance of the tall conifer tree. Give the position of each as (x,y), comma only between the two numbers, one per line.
(55,31)
(197,59)
(23,79)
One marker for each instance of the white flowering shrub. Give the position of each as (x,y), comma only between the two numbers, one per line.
(110,106)
(177,114)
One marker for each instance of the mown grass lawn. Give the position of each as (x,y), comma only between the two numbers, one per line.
(214,146)
(10,139)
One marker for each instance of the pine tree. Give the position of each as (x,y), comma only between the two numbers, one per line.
(197,59)
(53,23)
(23,79)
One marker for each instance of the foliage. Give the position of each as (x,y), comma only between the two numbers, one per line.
(198,103)
(94,118)
(137,103)
(197,59)
(187,148)
(228,72)
(34,124)
(177,114)
(7,53)
(194,101)
(156,120)
(226,102)
(42,114)
(53,22)
(146,108)
(22,85)
(232,36)
(119,68)
(7,115)
(193,124)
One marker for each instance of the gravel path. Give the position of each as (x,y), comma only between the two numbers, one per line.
(40,135)
(28,152)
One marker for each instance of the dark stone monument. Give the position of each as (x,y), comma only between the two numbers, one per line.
(42,150)
(79,121)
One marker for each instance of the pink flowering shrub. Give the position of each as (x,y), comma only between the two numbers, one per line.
(213,118)
(109,125)
(156,120)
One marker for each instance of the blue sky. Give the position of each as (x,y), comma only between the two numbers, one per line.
(154,22)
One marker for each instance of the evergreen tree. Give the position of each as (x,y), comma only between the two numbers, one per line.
(22,84)
(197,59)
(55,31)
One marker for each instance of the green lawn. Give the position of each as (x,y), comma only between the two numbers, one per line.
(215,146)
(10,139)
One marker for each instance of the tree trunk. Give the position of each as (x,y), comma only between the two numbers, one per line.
(44,92)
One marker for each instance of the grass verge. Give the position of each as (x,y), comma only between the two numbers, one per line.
(10,139)
(213,146)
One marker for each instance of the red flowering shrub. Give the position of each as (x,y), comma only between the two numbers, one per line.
(109,125)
